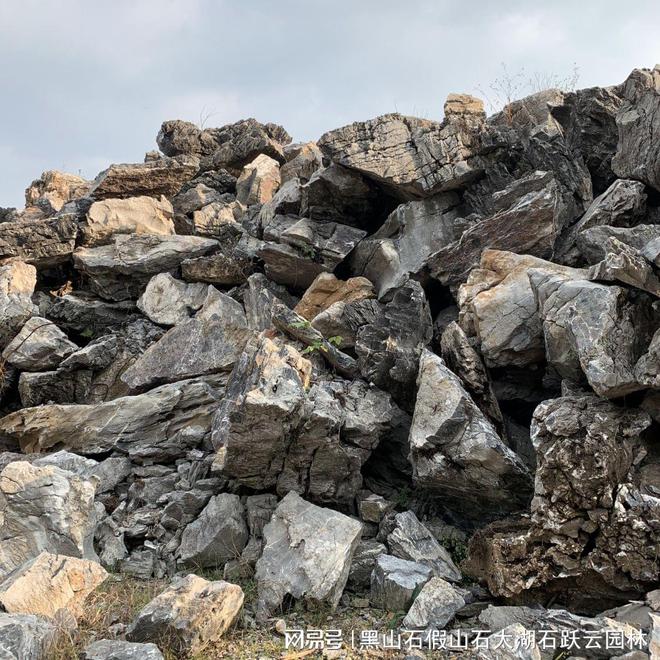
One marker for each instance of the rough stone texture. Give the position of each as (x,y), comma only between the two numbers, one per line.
(163,176)
(50,583)
(134,215)
(465,362)
(410,235)
(158,424)
(222,269)
(434,607)
(297,249)
(526,222)
(122,270)
(217,535)
(218,219)
(84,313)
(302,160)
(327,290)
(17,282)
(25,637)
(189,614)
(584,506)
(258,181)
(364,561)
(43,242)
(638,154)
(54,189)
(592,329)
(512,644)
(343,320)
(388,349)
(44,508)
(395,582)
(643,238)
(169,301)
(116,649)
(456,452)
(411,157)
(498,307)
(625,264)
(209,342)
(647,369)
(39,345)
(411,540)
(307,554)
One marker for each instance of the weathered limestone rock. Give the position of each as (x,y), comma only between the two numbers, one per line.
(44,508)
(222,269)
(584,506)
(263,400)
(326,290)
(163,176)
(17,282)
(512,644)
(343,320)
(25,637)
(122,270)
(638,154)
(84,313)
(44,242)
(364,561)
(133,215)
(647,369)
(465,362)
(258,181)
(455,451)
(410,235)
(622,204)
(191,613)
(302,160)
(217,535)
(434,607)
(395,582)
(411,540)
(39,345)
(218,219)
(526,222)
(411,157)
(116,649)
(307,554)
(298,249)
(50,583)
(158,424)
(169,301)
(388,350)
(338,194)
(643,238)
(625,264)
(498,306)
(209,342)
(54,189)
(464,106)
(592,329)
(372,507)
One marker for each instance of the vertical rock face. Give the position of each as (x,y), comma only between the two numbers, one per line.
(44,508)
(456,452)
(307,554)
(638,154)
(17,282)
(259,181)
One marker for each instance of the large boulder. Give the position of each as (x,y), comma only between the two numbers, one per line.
(49,584)
(42,242)
(456,452)
(302,160)
(44,508)
(38,346)
(643,238)
(163,176)
(259,181)
(594,331)
(217,535)
(638,154)
(412,157)
(434,607)
(189,615)
(17,283)
(307,554)
(157,424)
(26,637)
(395,582)
(168,301)
(326,290)
(122,270)
(134,215)
(53,189)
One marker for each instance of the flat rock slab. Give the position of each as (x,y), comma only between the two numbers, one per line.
(116,649)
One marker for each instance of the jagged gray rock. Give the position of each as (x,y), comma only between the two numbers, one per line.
(25,637)
(168,301)
(307,554)
(116,649)
(643,238)
(17,283)
(364,561)
(434,606)
(396,581)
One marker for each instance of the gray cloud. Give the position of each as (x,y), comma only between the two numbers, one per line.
(86,84)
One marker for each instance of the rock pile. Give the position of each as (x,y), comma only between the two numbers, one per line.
(323,365)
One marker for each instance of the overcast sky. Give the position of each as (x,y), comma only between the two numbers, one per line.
(85,83)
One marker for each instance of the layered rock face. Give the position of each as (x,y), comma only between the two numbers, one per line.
(337,367)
